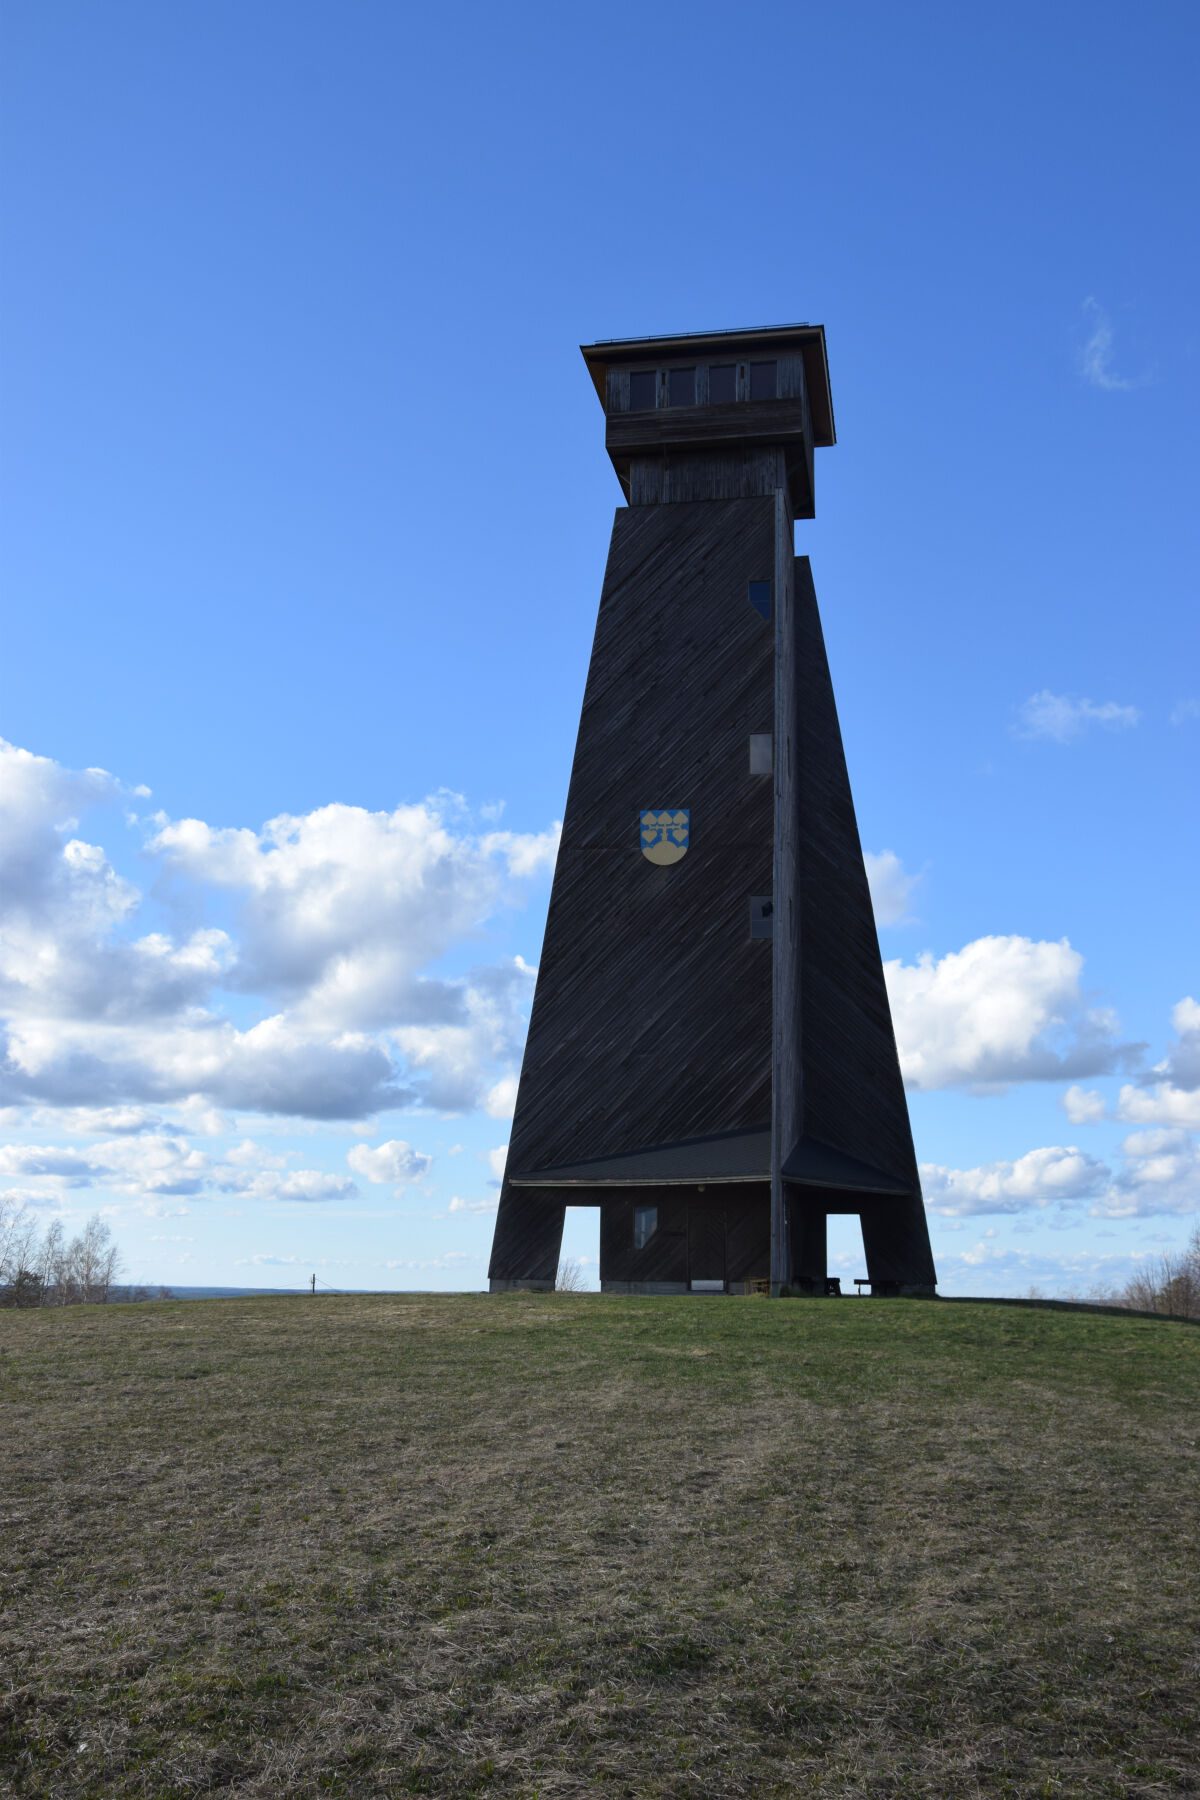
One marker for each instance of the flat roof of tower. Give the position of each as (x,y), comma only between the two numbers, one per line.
(808,340)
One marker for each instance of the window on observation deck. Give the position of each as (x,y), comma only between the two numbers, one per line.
(722,384)
(763,380)
(681,387)
(643,390)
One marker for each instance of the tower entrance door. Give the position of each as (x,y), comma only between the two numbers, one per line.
(706,1245)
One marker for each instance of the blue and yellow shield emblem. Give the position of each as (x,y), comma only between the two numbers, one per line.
(665,833)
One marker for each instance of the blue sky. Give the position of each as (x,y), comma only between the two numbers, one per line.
(305,510)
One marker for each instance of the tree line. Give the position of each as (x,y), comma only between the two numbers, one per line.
(1170,1284)
(46,1268)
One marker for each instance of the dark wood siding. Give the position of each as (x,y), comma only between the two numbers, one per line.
(651,1021)
(853,1093)
(748,1236)
(741,474)
(701,1234)
(704,427)
(787,1121)
(742,428)
(664,1258)
(652,1014)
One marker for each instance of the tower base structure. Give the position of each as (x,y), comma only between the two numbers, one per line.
(708,1241)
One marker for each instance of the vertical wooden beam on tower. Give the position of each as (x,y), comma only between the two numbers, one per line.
(787,1072)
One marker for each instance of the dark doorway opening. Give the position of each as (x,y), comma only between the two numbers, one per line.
(581,1246)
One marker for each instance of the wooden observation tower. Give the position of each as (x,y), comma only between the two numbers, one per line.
(710,1057)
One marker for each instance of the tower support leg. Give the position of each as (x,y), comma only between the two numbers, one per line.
(896,1242)
(528,1240)
(809,1246)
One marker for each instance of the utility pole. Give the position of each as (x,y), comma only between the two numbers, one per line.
(313,1285)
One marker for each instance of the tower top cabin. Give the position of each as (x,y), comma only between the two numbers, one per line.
(715,415)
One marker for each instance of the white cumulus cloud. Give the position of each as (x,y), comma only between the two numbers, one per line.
(1158,1173)
(139,1165)
(275,1066)
(1038,1179)
(309,1185)
(1182,1065)
(891,886)
(77,1167)
(393,1161)
(501,1099)
(1170,1093)
(92,1121)
(1161,1174)
(1062,718)
(526,853)
(452,1056)
(1001,1010)
(1162,1104)
(1083,1106)
(341,910)
(314,1184)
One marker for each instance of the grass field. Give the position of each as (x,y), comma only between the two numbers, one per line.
(559,1545)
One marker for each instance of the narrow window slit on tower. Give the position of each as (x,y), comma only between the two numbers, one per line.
(643,384)
(762,916)
(761,761)
(645,1224)
(759,595)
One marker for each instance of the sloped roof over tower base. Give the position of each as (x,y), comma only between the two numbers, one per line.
(730,1156)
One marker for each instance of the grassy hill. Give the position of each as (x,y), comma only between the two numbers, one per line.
(558,1545)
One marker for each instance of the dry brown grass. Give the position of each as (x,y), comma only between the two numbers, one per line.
(567,1545)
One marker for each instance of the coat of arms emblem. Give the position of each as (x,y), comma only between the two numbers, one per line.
(665,833)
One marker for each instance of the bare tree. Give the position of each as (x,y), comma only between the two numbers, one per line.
(98,1261)
(50,1265)
(20,1284)
(89,1265)
(15,1221)
(1169,1285)
(570,1277)
(46,1270)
